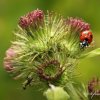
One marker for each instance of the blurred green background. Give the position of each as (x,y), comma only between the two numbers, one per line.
(11,10)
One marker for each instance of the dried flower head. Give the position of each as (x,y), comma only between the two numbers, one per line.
(41,70)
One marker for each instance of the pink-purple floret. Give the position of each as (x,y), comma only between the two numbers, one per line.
(24,22)
(78,24)
(31,18)
(10,53)
(92,84)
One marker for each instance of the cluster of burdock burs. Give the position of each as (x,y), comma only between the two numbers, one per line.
(35,19)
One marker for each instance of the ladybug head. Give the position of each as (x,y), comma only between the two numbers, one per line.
(84,44)
(86,38)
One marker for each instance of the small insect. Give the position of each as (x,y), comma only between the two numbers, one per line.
(27,82)
(86,38)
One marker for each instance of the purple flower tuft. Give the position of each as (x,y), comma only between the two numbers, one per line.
(8,66)
(24,22)
(31,18)
(78,24)
(35,15)
(10,53)
(94,86)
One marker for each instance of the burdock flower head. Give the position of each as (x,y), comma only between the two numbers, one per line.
(77,24)
(10,53)
(94,86)
(46,49)
(31,18)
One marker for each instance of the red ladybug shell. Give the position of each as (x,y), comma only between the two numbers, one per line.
(86,35)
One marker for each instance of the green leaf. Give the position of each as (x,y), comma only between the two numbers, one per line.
(92,53)
(76,91)
(56,93)
(72,92)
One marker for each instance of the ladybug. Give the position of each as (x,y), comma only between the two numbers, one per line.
(86,38)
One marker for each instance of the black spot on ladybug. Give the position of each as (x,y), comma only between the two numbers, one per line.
(86,39)
(91,36)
